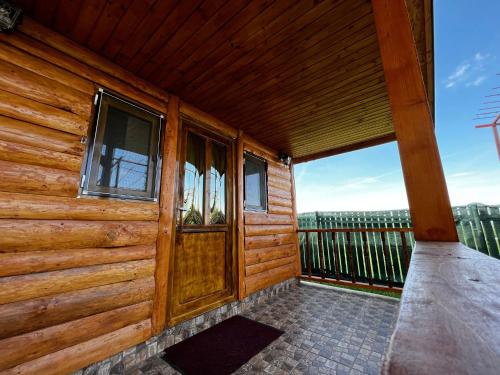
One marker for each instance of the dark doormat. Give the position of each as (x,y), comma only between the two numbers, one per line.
(221,349)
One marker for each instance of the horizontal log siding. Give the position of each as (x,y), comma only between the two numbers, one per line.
(270,239)
(76,274)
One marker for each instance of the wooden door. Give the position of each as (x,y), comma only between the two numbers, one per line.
(203,271)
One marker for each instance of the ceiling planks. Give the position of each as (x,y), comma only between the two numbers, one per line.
(302,76)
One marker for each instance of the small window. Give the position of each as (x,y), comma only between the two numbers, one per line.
(123,157)
(255,183)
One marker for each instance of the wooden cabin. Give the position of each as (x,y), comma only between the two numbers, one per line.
(147,151)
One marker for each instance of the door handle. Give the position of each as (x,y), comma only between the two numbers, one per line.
(182,209)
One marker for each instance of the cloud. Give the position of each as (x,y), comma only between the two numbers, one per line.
(460,174)
(458,75)
(477,81)
(479,56)
(459,72)
(468,187)
(469,72)
(370,194)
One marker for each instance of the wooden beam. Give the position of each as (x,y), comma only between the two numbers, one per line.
(32,345)
(167,215)
(43,207)
(298,264)
(207,120)
(25,287)
(73,234)
(34,314)
(52,260)
(240,218)
(72,358)
(353,147)
(424,178)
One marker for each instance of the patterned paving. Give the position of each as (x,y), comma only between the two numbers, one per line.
(327,331)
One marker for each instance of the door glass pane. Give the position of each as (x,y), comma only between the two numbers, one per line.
(194,180)
(125,151)
(218,184)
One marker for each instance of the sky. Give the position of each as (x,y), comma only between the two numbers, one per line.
(467,60)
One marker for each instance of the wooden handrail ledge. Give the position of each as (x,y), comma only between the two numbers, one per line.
(354,230)
(449,319)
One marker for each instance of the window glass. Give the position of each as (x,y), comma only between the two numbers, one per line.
(255,183)
(218,184)
(123,159)
(194,180)
(125,152)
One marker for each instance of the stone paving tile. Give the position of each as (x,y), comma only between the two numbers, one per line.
(326,332)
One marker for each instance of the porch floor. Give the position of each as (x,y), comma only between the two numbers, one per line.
(327,331)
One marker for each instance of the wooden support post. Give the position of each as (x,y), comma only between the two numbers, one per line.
(424,178)
(240,219)
(167,215)
(298,271)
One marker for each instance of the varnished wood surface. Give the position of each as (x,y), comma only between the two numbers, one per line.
(428,198)
(76,273)
(166,223)
(282,71)
(34,179)
(77,356)
(23,348)
(298,265)
(25,133)
(449,317)
(240,215)
(23,287)
(234,61)
(52,260)
(270,239)
(71,234)
(200,266)
(31,315)
(203,260)
(33,206)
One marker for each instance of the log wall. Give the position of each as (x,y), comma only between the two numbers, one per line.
(77,274)
(79,279)
(270,250)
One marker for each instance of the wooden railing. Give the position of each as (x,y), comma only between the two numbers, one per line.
(373,258)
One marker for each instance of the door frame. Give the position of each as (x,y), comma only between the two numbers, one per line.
(198,127)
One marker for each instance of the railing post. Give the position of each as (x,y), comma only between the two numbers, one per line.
(388,260)
(406,256)
(336,255)
(308,254)
(321,255)
(349,253)
(364,243)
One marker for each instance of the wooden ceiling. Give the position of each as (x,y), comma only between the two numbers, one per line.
(302,76)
